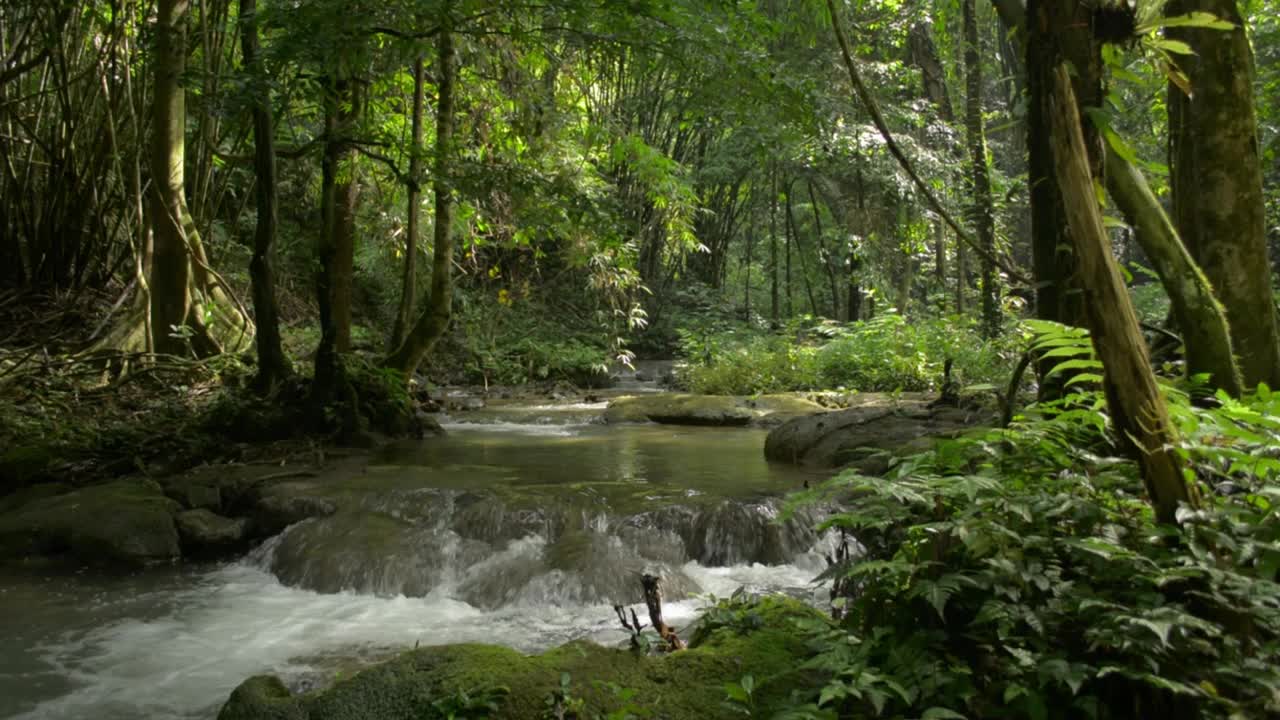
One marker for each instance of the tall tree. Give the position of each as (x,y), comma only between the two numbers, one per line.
(1218,203)
(982,210)
(434,320)
(409,282)
(273,365)
(185,293)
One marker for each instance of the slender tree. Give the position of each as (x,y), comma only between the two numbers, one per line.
(434,320)
(409,283)
(982,209)
(273,365)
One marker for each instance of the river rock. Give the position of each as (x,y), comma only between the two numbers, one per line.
(277,506)
(122,522)
(202,530)
(866,436)
(261,697)
(712,410)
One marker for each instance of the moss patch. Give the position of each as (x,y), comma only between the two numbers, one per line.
(684,685)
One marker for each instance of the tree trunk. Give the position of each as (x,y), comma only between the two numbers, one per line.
(773,252)
(1057,30)
(1205,330)
(793,235)
(409,283)
(434,320)
(179,292)
(1138,414)
(346,193)
(983,212)
(273,366)
(171,266)
(1216,178)
(826,256)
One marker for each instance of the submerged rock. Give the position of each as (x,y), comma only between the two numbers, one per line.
(684,685)
(713,410)
(203,531)
(126,521)
(866,436)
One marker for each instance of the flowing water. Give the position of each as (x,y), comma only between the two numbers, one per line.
(522,527)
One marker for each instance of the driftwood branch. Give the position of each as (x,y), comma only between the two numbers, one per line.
(653,599)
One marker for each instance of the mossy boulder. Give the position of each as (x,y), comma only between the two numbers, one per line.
(868,435)
(123,522)
(713,410)
(203,531)
(684,685)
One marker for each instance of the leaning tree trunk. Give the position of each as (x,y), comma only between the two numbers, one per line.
(434,319)
(409,284)
(183,285)
(1199,315)
(1139,417)
(273,365)
(983,210)
(1216,179)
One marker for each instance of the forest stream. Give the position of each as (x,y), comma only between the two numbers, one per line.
(521,527)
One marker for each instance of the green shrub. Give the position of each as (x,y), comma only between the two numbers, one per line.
(1019,574)
(881,355)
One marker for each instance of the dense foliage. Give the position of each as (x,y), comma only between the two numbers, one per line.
(1019,573)
(885,354)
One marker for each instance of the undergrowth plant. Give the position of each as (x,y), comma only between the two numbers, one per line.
(1020,574)
(885,354)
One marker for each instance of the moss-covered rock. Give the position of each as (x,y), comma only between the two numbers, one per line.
(261,697)
(126,521)
(203,531)
(683,685)
(714,410)
(867,436)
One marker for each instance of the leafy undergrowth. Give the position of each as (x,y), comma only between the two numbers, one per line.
(881,355)
(73,420)
(1020,574)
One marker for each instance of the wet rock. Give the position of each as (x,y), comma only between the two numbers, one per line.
(203,531)
(867,436)
(279,506)
(123,522)
(369,553)
(262,697)
(712,410)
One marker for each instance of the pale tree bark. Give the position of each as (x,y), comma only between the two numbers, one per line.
(1139,417)
(1218,203)
(273,365)
(434,320)
(409,281)
(982,208)
(183,286)
(1199,315)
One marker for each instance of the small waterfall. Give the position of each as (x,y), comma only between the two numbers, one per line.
(492,553)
